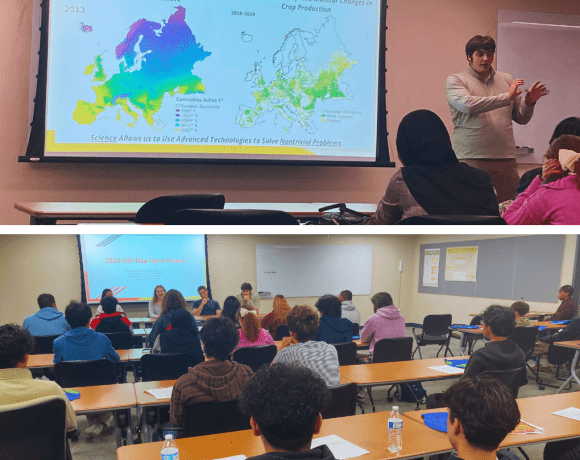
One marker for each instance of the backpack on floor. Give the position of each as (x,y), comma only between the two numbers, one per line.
(413,392)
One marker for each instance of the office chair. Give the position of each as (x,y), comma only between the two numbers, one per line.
(166,366)
(213,417)
(157,210)
(255,357)
(452,220)
(525,338)
(120,340)
(342,401)
(435,331)
(43,344)
(230,217)
(346,353)
(281,332)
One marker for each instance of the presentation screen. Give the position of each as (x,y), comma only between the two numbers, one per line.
(228,81)
(132,265)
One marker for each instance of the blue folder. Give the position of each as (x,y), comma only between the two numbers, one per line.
(460,363)
(466,326)
(436,420)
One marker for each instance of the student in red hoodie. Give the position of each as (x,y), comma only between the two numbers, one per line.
(111,320)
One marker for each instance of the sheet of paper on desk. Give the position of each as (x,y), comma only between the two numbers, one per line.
(160,393)
(448,369)
(340,448)
(571,412)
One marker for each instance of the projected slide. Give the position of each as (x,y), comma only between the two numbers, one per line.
(229,78)
(132,265)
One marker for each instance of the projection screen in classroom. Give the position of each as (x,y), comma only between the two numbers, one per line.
(228,81)
(132,265)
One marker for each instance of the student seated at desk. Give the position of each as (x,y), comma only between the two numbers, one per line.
(205,306)
(218,378)
(332,328)
(571,332)
(521,309)
(251,334)
(16,382)
(107,293)
(156,302)
(182,338)
(277,317)
(498,322)
(567,309)
(284,403)
(482,412)
(47,321)
(111,320)
(172,301)
(247,298)
(231,308)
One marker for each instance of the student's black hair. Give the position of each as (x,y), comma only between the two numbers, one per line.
(246,287)
(77,314)
(567,289)
(231,308)
(109,305)
(329,305)
(45,300)
(15,343)
(523,308)
(201,287)
(486,409)
(480,42)
(500,320)
(285,400)
(570,125)
(219,336)
(346,294)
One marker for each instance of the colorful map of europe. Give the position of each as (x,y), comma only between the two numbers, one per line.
(154,60)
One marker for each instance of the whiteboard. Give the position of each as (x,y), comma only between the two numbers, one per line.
(313,270)
(546,48)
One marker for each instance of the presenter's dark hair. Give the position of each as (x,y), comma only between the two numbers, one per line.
(570,125)
(479,42)
(303,321)
(521,307)
(231,307)
(201,287)
(567,289)
(105,292)
(77,314)
(15,343)
(219,336)
(173,300)
(45,300)
(500,320)
(285,400)
(382,299)
(486,409)
(346,295)
(329,305)
(109,305)
(246,287)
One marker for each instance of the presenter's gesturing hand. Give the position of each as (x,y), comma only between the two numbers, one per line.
(537,91)
(514,90)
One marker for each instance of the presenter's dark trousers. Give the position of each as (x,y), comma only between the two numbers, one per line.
(503,173)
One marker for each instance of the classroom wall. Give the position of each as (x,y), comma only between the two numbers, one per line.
(461,307)
(425,44)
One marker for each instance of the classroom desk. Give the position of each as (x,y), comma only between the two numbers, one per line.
(468,337)
(531,314)
(537,411)
(48,213)
(46,360)
(548,324)
(359,345)
(574,345)
(100,398)
(367,431)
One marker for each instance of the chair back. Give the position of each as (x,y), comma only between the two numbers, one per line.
(476,321)
(525,337)
(213,417)
(33,430)
(85,373)
(436,325)
(166,366)
(255,357)
(452,220)
(230,217)
(346,353)
(157,210)
(281,332)
(43,344)
(559,355)
(355,329)
(393,350)
(120,340)
(511,378)
(342,401)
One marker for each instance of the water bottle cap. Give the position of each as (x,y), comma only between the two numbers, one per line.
(168,437)
(395,407)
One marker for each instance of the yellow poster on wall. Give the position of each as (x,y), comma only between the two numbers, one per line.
(461,264)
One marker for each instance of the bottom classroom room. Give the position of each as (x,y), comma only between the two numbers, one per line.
(290,346)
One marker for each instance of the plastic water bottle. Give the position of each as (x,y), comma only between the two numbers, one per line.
(169,450)
(395,430)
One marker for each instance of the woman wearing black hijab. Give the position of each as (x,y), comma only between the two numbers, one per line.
(183,337)
(432,181)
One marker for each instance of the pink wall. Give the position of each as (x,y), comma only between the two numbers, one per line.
(425,42)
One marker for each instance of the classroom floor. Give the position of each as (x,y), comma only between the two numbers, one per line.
(104,447)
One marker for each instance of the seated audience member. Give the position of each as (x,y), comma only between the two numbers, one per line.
(107,293)
(47,321)
(521,309)
(218,378)
(277,317)
(570,125)
(182,338)
(205,306)
(482,412)
(570,332)
(332,328)
(247,298)
(567,309)
(568,449)
(111,320)
(251,334)
(172,301)
(300,348)
(497,323)
(386,323)
(284,403)
(349,311)
(156,302)
(553,198)
(432,181)
(16,382)
(84,344)
(231,308)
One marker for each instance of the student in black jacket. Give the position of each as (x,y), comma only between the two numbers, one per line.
(111,320)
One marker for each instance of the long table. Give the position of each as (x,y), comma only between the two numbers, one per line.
(574,345)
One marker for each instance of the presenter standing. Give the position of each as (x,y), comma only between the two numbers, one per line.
(483,105)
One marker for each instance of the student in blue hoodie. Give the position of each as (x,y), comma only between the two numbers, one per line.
(333,328)
(47,321)
(82,343)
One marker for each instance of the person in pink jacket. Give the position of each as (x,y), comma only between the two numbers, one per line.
(386,323)
(553,198)
(251,334)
